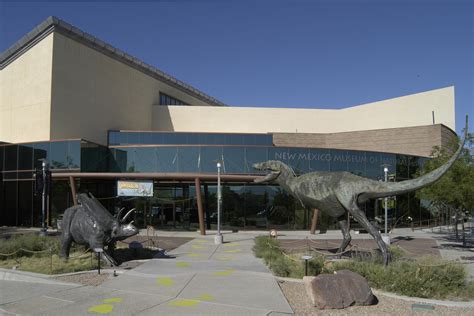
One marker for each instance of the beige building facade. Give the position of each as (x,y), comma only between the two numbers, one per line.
(61,83)
(97,114)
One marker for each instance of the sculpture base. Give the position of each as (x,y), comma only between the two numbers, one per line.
(218,239)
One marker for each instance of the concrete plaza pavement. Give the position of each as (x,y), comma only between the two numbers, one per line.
(197,278)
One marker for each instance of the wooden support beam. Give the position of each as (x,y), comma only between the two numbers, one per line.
(314,221)
(202,228)
(72,183)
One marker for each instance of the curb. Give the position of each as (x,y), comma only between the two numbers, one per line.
(464,304)
(24,276)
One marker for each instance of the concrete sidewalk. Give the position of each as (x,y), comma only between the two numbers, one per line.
(198,278)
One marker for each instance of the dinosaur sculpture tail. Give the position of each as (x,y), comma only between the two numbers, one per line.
(383,189)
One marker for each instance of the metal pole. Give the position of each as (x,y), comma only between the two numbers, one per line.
(386,203)
(43,231)
(98,262)
(218,239)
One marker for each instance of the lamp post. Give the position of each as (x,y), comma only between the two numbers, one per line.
(386,238)
(44,200)
(218,239)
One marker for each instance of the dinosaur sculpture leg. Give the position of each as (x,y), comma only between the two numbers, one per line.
(66,242)
(362,219)
(345,233)
(66,237)
(107,257)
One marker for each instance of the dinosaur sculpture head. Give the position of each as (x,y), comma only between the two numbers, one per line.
(274,166)
(120,230)
(115,227)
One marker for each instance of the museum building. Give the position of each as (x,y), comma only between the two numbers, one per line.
(100,116)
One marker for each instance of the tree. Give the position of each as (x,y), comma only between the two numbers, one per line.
(456,188)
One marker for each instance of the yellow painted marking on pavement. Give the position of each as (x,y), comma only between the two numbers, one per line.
(101,309)
(164,281)
(225,258)
(182,264)
(202,241)
(233,250)
(232,245)
(192,254)
(183,303)
(224,273)
(113,300)
(199,247)
(206,297)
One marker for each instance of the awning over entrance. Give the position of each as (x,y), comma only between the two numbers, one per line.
(194,177)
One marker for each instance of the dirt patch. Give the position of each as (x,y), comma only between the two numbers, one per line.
(412,247)
(86,278)
(299,301)
(167,243)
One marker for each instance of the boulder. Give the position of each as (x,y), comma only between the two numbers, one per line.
(340,290)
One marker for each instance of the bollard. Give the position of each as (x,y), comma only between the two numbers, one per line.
(306,258)
(51,260)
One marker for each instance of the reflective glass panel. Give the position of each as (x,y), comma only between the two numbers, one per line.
(234,160)
(339,160)
(234,139)
(373,166)
(298,159)
(113,138)
(319,160)
(58,155)
(11,157)
(209,158)
(1,157)
(41,151)
(356,162)
(25,157)
(249,139)
(188,159)
(74,155)
(167,159)
(402,167)
(145,159)
(133,138)
(254,155)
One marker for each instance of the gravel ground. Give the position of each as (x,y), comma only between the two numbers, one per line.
(296,295)
(86,278)
(94,279)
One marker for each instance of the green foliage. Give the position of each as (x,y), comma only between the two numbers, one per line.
(456,187)
(48,264)
(427,277)
(282,264)
(30,242)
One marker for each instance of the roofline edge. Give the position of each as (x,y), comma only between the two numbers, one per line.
(52,24)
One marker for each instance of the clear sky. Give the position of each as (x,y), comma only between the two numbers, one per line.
(321,54)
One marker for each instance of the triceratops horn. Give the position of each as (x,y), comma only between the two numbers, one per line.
(126,215)
(119,213)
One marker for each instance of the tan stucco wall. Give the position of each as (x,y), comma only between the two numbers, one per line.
(25,95)
(418,140)
(94,93)
(406,111)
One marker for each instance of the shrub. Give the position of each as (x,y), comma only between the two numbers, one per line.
(282,264)
(30,242)
(427,277)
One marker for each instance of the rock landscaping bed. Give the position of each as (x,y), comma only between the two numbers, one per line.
(301,305)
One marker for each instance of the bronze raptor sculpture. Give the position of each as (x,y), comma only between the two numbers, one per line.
(337,193)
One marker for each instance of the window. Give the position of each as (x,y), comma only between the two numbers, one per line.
(169,100)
